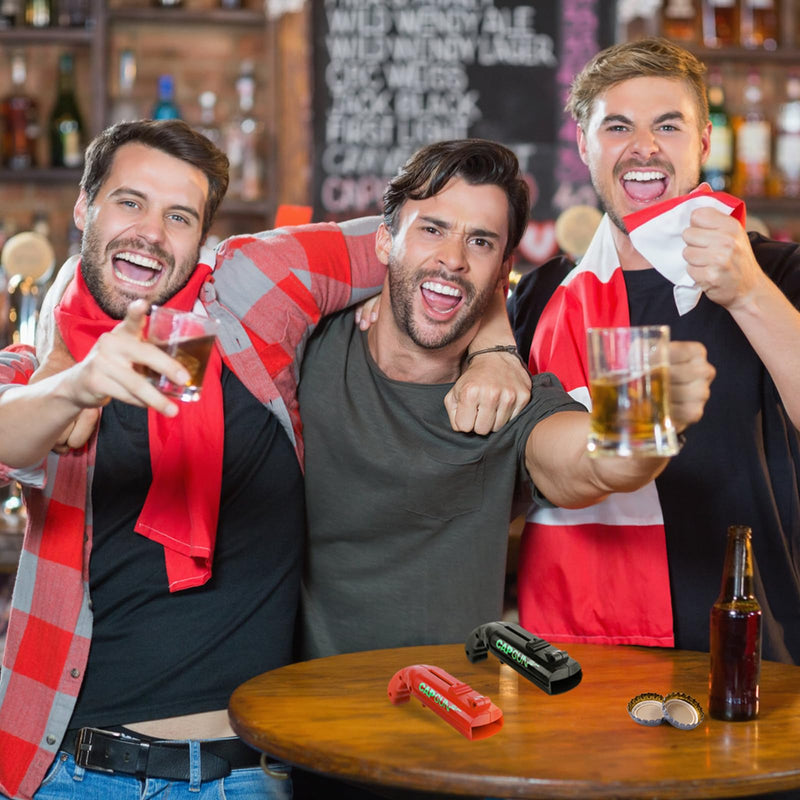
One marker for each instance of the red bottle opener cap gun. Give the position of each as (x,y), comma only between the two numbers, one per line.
(472,714)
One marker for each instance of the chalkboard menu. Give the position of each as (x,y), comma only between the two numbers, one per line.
(392,75)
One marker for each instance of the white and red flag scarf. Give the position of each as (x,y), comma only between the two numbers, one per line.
(599,574)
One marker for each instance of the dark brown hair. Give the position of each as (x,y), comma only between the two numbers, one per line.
(653,57)
(173,137)
(476,161)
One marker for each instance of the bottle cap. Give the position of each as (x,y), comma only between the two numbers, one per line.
(682,711)
(646,708)
(678,709)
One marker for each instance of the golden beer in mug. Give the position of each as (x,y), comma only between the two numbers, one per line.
(629,387)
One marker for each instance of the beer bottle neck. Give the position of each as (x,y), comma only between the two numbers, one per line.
(737,575)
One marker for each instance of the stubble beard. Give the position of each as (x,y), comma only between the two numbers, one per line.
(403,289)
(115,302)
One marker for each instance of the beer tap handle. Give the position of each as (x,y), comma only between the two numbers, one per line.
(28,260)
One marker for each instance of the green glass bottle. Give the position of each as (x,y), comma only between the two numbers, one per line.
(66,123)
(719,164)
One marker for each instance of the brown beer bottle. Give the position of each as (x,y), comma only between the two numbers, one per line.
(735,635)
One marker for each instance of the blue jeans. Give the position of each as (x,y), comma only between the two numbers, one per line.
(67,781)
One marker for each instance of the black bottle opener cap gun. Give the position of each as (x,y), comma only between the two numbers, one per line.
(551,669)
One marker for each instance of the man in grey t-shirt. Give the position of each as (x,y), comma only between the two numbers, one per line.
(408,519)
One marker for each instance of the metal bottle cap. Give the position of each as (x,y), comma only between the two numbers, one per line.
(678,709)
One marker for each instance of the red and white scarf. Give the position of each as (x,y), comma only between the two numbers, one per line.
(181,509)
(600,574)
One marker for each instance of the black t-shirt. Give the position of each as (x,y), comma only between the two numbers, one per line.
(740,465)
(158,654)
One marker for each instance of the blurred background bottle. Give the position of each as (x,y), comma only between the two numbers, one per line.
(760,23)
(753,142)
(10,13)
(680,20)
(19,119)
(719,164)
(720,23)
(72,13)
(208,117)
(735,635)
(124,108)
(241,140)
(66,122)
(165,107)
(787,139)
(38,13)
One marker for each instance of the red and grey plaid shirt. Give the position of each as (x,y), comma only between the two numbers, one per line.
(269,291)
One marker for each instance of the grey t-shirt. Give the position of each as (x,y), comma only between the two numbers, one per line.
(408,519)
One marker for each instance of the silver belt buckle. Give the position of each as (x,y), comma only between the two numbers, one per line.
(84,744)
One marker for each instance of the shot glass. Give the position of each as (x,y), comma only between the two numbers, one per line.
(186,337)
(629,386)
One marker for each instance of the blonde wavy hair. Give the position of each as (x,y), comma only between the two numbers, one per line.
(652,57)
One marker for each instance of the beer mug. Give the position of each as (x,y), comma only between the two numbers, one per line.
(629,386)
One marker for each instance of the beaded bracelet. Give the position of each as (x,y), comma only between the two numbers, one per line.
(498,348)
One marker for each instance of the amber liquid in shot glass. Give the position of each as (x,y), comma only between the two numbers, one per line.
(186,337)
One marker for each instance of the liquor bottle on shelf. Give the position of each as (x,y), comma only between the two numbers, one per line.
(208,118)
(124,108)
(679,20)
(791,34)
(20,119)
(38,13)
(241,140)
(66,121)
(753,142)
(72,13)
(10,13)
(165,107)
(168,3)
(760,23)
(787,140)
(719,164)
(720,23)
(230,3)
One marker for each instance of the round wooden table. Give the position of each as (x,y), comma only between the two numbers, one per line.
(333,716)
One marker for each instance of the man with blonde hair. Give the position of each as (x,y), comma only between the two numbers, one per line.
(645,569)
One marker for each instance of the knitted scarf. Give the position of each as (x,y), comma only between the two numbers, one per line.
(182,505)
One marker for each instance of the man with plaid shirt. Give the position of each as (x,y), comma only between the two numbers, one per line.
(160,636)
(123,649)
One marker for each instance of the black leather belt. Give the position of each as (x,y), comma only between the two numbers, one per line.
(110,751)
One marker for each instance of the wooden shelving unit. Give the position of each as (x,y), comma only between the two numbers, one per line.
(113,22)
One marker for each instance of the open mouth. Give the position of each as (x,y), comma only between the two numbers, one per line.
(441,298)
(136,269)
(644,185)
